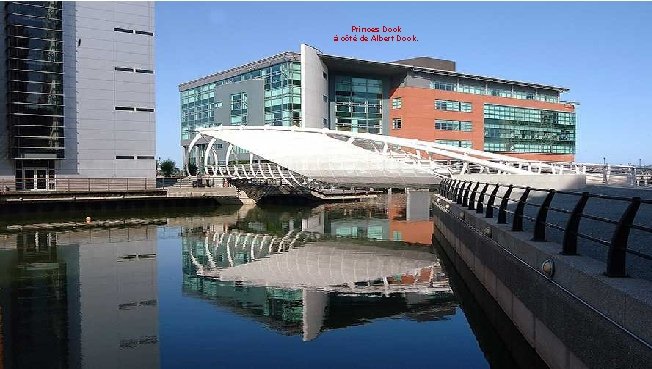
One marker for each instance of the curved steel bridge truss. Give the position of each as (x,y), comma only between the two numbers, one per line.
(300,156)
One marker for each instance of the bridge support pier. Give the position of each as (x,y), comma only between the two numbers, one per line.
(418,204)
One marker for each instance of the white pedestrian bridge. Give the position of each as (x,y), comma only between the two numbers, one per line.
(298,156)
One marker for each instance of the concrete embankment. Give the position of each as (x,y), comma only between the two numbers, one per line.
(574,318)
(13,203)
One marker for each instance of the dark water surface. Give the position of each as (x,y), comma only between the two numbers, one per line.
(335,286)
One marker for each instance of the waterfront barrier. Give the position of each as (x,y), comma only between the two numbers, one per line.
(531,250)
(485,198)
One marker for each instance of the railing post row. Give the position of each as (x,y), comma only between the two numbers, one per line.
(480,207)
(490,203)
(472,199)
(618,248)
(502,211)
(569,244)
(542,215)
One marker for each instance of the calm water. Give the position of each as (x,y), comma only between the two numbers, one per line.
(347,285)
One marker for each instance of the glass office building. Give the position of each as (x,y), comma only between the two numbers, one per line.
(282,99)
(420,98)
(78,94)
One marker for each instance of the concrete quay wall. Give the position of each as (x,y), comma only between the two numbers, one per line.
(577,318)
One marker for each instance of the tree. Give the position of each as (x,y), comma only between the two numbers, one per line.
(168,167)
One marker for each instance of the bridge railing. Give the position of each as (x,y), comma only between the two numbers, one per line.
(573,225)
(30,184)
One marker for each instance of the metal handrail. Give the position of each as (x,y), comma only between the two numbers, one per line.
(464,193)
(47,184)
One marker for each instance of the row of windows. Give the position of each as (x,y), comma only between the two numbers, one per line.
(134,70)
(451,105)
(132,157)
(131,108)
(53,11)
(53,23)
(124,30)
(512,113)
(530,148)
(512,129)
(485,90)
(453,125)
(456,143)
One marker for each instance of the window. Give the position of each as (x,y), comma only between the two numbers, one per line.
(144,33)
(446,86)
(148,71)
(129,157)
(396,123)
(325,75)
(325,122)
(239,108)
(145,109)
(127,108)
(145,157)
(358,104)
(456,143)
(397,103)
(219,146)
(124,69)
(514,129)
(123,30)
(450,105)
(325,98)
(453,125)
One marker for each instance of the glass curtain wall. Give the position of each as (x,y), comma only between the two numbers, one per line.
(35,79)
(282,99)
(512,129)
(358,104)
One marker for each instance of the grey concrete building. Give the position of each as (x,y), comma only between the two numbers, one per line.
(79,100)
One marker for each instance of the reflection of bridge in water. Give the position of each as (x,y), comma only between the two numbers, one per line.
(298,285)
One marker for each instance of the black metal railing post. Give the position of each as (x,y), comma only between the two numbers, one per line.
(517,224)
(453,190)
(465,198)
(490,203)
(472,199)
(502,211)
(480,207)
(618,248)
(460,192)
(569,244)
(542,215)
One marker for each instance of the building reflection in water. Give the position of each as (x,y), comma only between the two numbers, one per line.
(325,268)
(84,299)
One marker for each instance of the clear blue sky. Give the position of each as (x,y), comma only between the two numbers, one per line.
(601,51)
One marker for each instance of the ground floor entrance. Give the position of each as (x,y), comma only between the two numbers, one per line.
(35,175)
